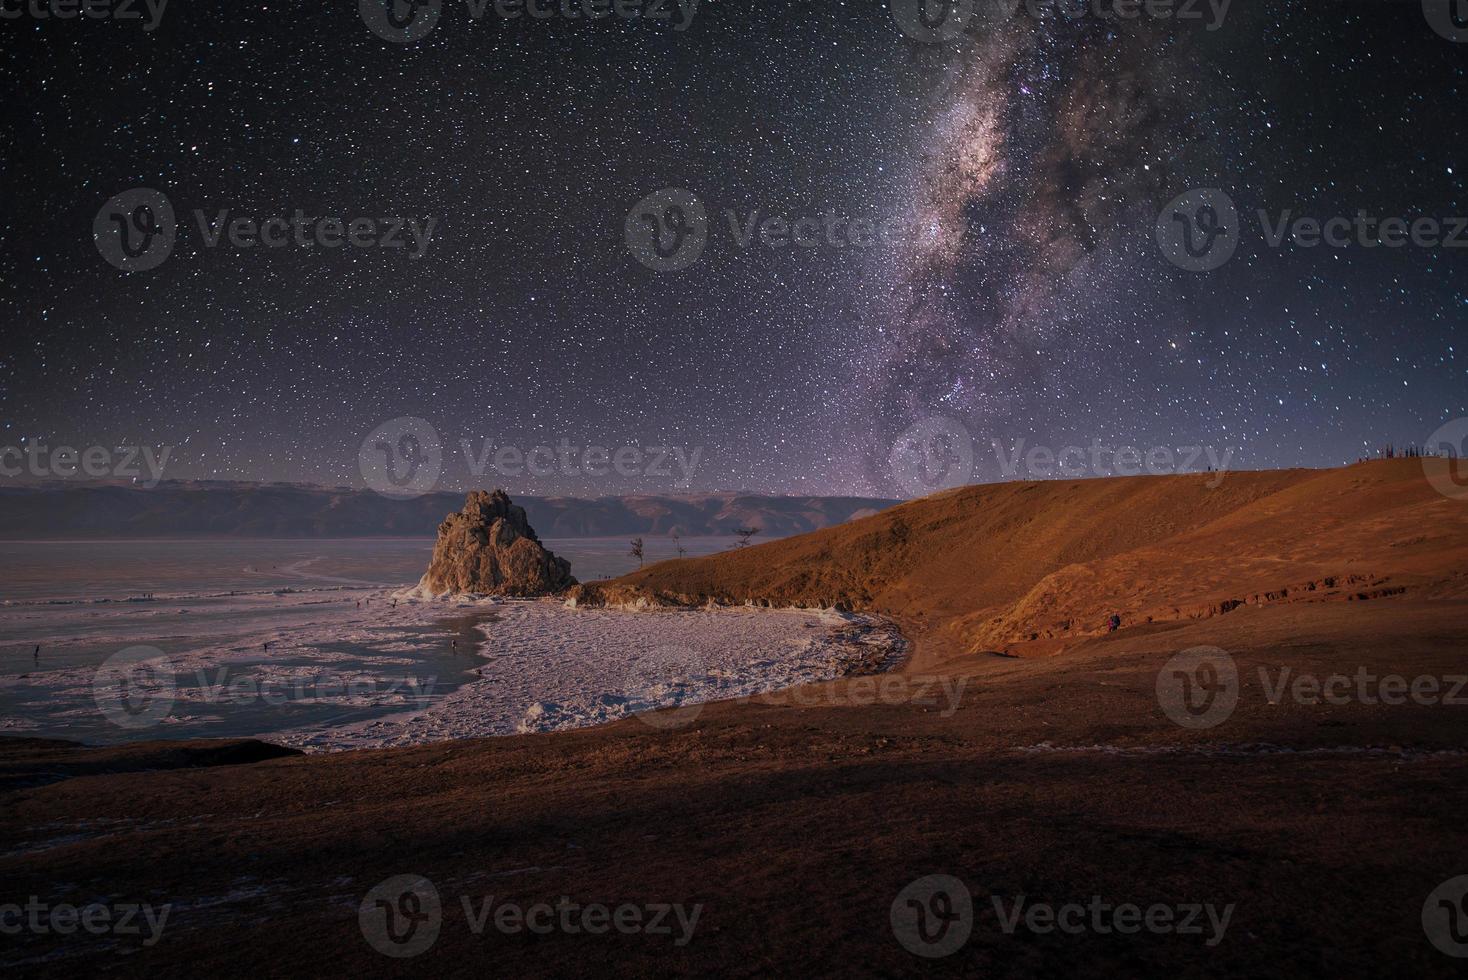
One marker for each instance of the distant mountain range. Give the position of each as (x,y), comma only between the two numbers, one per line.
(276,510)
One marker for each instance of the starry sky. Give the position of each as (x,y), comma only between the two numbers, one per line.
(1027,299)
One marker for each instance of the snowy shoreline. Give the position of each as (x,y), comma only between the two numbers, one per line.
(552,667)
(388,667)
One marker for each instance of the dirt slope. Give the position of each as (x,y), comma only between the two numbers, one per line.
(1030,567)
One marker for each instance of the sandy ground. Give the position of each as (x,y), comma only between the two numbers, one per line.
(1302,818)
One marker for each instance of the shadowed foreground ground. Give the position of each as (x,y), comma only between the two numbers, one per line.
(796,824)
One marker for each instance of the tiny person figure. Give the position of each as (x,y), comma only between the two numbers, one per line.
(1113,624)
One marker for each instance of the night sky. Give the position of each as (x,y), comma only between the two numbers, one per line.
(1028,299)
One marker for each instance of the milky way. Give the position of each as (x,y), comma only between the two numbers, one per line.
(1040,142)
(1027,300)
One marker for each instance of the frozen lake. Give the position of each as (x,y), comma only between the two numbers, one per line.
(315,643)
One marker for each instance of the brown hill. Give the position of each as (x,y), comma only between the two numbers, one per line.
(1029,567)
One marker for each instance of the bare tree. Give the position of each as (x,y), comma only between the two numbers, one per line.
(744,534)
(677,543)
(636,551)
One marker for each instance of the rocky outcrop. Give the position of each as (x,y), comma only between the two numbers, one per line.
(489,548)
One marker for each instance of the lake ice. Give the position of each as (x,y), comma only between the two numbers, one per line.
(355,663)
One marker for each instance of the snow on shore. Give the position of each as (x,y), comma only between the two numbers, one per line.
(528,666)
(549,667)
